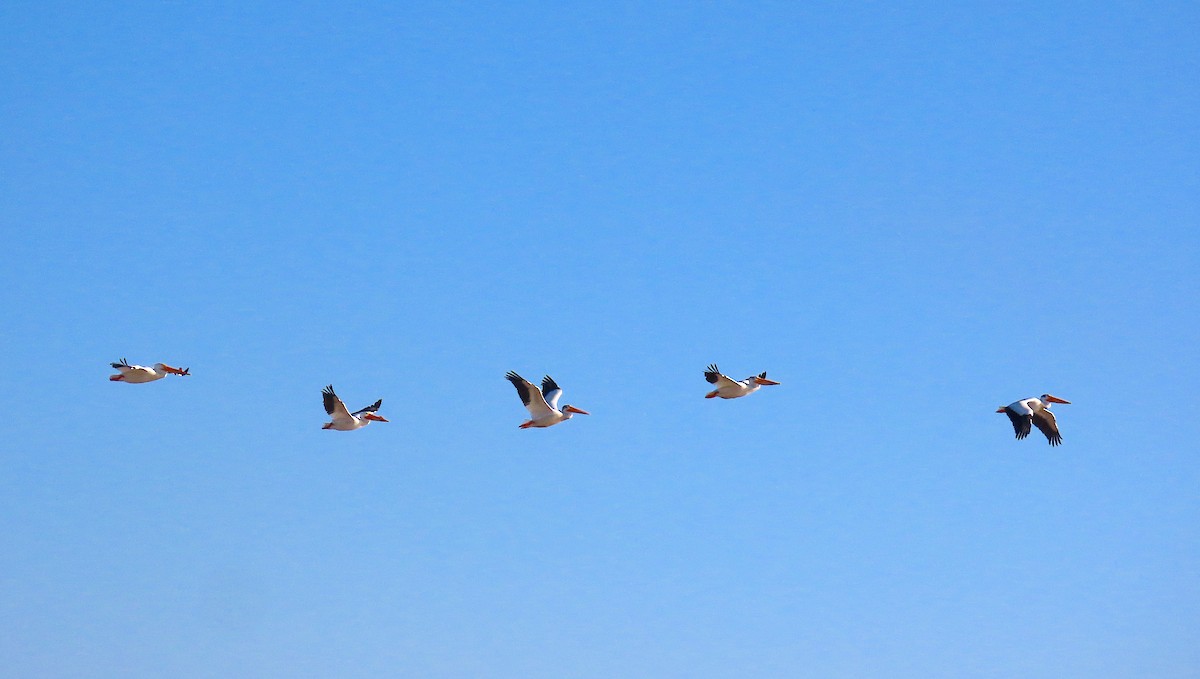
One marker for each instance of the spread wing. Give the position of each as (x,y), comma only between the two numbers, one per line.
(1020,422)
(1044,420)
(530,395)
(123,366)
(369,409)
(551,391)
(714,376)
(334,406)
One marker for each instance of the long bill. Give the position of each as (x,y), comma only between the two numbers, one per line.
(573,409)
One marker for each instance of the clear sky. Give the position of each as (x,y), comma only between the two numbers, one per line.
(908,214)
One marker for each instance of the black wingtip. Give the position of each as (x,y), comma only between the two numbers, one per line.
(374,407)
(523,388)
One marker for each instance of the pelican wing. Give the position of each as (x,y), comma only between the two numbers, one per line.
(124,366)
(334,406)
(1044,420)
(712,373)
(551,391)
(714,376)
(369,409)
(1020,421)
(530,395)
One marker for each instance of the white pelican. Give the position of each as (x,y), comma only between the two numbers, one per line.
(139,374)
(344,420)
(1036,412)
(542,403)
(731,388)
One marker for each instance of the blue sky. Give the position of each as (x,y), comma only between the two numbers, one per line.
(908,215)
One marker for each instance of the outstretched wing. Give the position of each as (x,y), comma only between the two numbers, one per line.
(334,406)
(551,391)
(714,376)
(530,395)
(369,409)
(123,366)
(1020,422)
(1044,420)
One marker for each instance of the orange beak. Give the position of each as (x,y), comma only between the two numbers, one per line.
(175,371)
(1055,399)
(573,409)
(373,416)
(765,382)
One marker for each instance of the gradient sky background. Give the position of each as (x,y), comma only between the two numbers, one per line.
(907,215)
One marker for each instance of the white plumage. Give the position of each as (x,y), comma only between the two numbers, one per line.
(342,419)
(542,403)
(140,374)
(727,387)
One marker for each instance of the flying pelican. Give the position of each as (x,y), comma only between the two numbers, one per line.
(542,403)
(344,420)
(140,374)
(1036,412)
(730,388)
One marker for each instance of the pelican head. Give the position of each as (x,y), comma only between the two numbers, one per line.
(164,368)
(373,417)
(568,409)
(761,379)
(1050,398)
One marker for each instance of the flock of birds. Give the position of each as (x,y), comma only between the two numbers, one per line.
(542,402)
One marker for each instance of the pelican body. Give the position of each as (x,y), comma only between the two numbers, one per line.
(140,374)
(344,420)
(727,387)
(542,403)
(1034,412)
